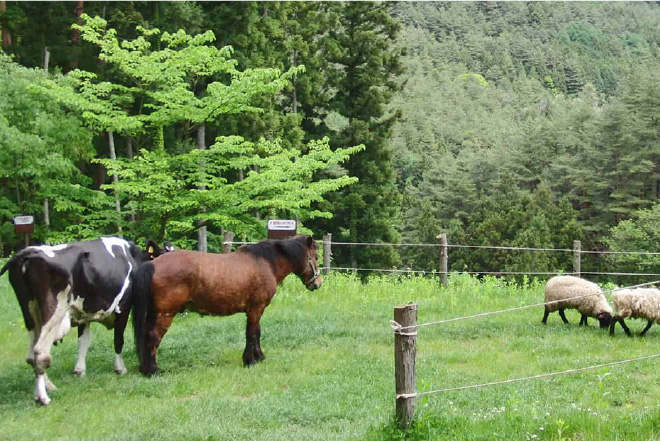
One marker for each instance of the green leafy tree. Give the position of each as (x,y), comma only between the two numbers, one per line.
(190,189)
(38,159)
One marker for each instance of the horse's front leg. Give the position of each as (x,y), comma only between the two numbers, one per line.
(253,353)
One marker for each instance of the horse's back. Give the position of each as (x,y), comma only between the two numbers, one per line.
(216,284)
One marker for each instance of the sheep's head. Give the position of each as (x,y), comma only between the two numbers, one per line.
(604,318)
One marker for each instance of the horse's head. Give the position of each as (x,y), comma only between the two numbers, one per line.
(311,274)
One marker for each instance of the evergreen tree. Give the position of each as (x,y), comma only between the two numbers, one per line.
(365,65)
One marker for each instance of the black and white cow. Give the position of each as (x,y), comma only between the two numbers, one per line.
(74,284)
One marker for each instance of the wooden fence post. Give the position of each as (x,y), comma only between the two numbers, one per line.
(226,244)
(444,258)
(577,248)
(327,252)
(405,349)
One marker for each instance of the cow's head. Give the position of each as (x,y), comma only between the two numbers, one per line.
(153,250)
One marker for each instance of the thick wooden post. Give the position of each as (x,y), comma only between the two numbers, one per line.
(327,253)
(577,248)
(444,258)
(405,349)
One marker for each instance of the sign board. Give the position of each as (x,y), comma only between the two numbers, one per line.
(281,228)
(24,224)
(23,220)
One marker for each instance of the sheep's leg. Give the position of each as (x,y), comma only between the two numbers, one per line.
(613,324)
(625,328)
(563,316)
(583,320)
(648,325)
(545,316)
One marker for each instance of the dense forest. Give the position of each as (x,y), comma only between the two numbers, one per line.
(500,123)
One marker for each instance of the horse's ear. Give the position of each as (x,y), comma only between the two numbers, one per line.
(309,242)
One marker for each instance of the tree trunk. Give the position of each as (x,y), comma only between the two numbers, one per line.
(202,233)
(115,178)
(75,37)
(6,36)
(46,204)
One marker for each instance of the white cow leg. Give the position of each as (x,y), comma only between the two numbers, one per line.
(50,386)
(49,331)
(29,357)
(120,368)
(40,395)
(84,342)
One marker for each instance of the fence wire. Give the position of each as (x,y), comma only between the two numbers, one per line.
(397,328)
(532,377)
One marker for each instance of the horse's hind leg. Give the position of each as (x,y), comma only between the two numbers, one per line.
(253,353)
(162,324)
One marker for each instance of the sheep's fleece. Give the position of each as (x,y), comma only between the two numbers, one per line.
(638,303)
(566,287)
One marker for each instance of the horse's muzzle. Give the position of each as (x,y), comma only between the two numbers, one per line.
(315,283)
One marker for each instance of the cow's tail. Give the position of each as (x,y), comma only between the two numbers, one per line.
(5,267)
(144,316)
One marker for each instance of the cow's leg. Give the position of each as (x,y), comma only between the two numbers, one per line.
(32,339)
(84,342)
(648,326)
(252,336)
(563,316)
(161,325)
(546,313)
(54,328)
(120,325)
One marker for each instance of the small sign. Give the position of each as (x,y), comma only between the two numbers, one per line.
(24,224)
(23,220)
(281,228)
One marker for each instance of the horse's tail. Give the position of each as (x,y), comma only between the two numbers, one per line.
(144,314)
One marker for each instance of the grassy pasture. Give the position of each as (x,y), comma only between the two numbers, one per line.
(329,373)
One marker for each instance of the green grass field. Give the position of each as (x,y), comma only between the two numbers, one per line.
(329,373)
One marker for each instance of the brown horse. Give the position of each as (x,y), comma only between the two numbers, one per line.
(217,284)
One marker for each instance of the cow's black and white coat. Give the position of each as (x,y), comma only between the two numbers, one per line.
(73,284)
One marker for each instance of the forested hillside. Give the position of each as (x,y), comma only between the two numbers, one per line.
(528,124)
(523,124)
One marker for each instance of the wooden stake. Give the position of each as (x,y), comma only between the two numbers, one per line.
(577,248)
(405,349)
(444,258)
(327,252)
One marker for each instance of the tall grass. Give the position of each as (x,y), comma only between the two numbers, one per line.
(329,372)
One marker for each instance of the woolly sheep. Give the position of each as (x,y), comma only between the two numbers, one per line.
(572,289)
(641,303)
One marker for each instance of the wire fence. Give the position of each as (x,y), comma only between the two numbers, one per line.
(444,272)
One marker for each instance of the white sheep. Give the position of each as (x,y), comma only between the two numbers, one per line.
(577,293)
(641,303)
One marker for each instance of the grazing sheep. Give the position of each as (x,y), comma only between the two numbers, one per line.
(573,291)
(641,303)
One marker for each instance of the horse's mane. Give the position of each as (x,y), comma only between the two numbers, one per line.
(294,249)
